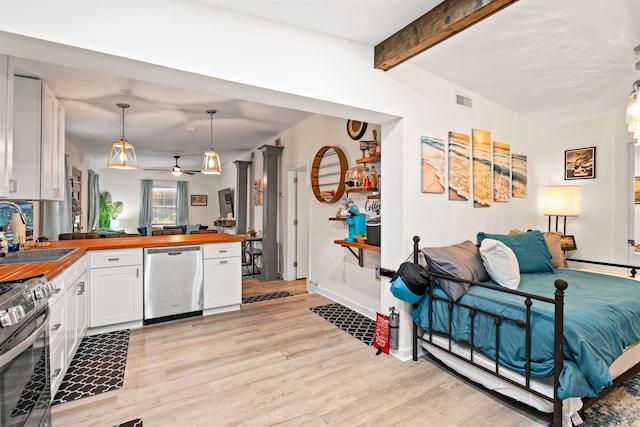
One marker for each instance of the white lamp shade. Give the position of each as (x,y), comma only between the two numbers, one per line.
(562,200)
(122,156)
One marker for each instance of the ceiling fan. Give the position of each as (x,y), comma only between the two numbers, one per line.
(176,170)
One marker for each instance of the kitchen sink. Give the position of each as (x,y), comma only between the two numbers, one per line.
(36,255)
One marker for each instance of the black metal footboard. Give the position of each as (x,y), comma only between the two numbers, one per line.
(498,319)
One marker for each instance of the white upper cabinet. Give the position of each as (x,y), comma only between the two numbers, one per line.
(38,142)
(6,123)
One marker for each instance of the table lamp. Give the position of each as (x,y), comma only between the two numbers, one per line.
(561,201)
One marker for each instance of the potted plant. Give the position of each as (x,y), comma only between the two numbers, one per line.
(251,232)
(108,209)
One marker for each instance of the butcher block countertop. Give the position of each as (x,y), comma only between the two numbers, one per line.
(52,269)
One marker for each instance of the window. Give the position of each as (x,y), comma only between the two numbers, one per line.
(163,205)
(7,210)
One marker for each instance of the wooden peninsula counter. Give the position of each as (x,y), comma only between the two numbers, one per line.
(52,269)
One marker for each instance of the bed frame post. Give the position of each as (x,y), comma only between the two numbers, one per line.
(558,349)
(416,240)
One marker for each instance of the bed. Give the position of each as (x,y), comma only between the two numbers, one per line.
(557,341)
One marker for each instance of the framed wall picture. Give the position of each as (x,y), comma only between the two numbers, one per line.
(580,163)
(637,189)
(198,200)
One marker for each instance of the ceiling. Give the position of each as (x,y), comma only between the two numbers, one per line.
(569,60)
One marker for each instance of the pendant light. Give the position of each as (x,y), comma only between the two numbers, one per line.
(123,154)
(633,105)
(211,163)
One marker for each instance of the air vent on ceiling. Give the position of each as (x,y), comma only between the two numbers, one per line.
(464,101)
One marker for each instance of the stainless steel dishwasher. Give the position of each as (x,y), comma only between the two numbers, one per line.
(173,283)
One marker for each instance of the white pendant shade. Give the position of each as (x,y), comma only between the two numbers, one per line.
(122,156)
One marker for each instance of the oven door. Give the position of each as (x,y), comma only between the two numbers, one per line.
(25,391)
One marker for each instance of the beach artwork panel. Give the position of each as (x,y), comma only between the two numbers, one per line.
(518,176)
(459,162)
(501,172)
(433,166)
(481,146)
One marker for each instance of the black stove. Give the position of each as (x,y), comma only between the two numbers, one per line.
(19,300)
(25,373)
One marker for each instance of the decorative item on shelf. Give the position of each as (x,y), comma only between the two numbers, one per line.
(355,177)
(373,177)
(356,129)
(361,238)
(123,154)
(211,163)
(357,223)
(251,232)
(374,146)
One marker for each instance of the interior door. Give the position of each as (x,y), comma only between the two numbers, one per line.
(301,224)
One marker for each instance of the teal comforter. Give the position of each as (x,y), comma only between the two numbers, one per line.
(602,318)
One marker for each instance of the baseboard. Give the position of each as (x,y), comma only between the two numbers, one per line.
(346,302)
(112,328)
(218,310)
(404,354)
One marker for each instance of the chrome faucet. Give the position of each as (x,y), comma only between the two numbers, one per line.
(23,217)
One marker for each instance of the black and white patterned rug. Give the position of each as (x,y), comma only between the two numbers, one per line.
(97,367)
(266,297)
(133,423)
(351,322)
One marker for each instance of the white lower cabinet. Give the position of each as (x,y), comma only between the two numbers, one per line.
(115,287)
(67,327)
(222,277)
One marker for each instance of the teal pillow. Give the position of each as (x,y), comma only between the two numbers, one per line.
(191,228)
(530,248)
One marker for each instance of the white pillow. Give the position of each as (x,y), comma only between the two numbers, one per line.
(501,263)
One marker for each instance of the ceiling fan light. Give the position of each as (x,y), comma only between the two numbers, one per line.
(122,155)
(211,163)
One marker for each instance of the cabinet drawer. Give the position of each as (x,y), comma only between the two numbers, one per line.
(56,325)
(221,250)
(78,268)
(115,258)
(58,364)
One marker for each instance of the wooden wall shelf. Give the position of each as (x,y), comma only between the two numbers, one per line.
(360,189)
(374,158)
(333,218)
(360,246)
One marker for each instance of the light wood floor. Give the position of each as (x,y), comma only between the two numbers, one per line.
(276,362)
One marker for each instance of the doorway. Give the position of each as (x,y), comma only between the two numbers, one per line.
(297,266)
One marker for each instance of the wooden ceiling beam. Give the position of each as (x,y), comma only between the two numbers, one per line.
(443,21)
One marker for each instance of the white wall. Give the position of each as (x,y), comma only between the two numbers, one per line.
(327,76)
(332,268)
(124,185)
